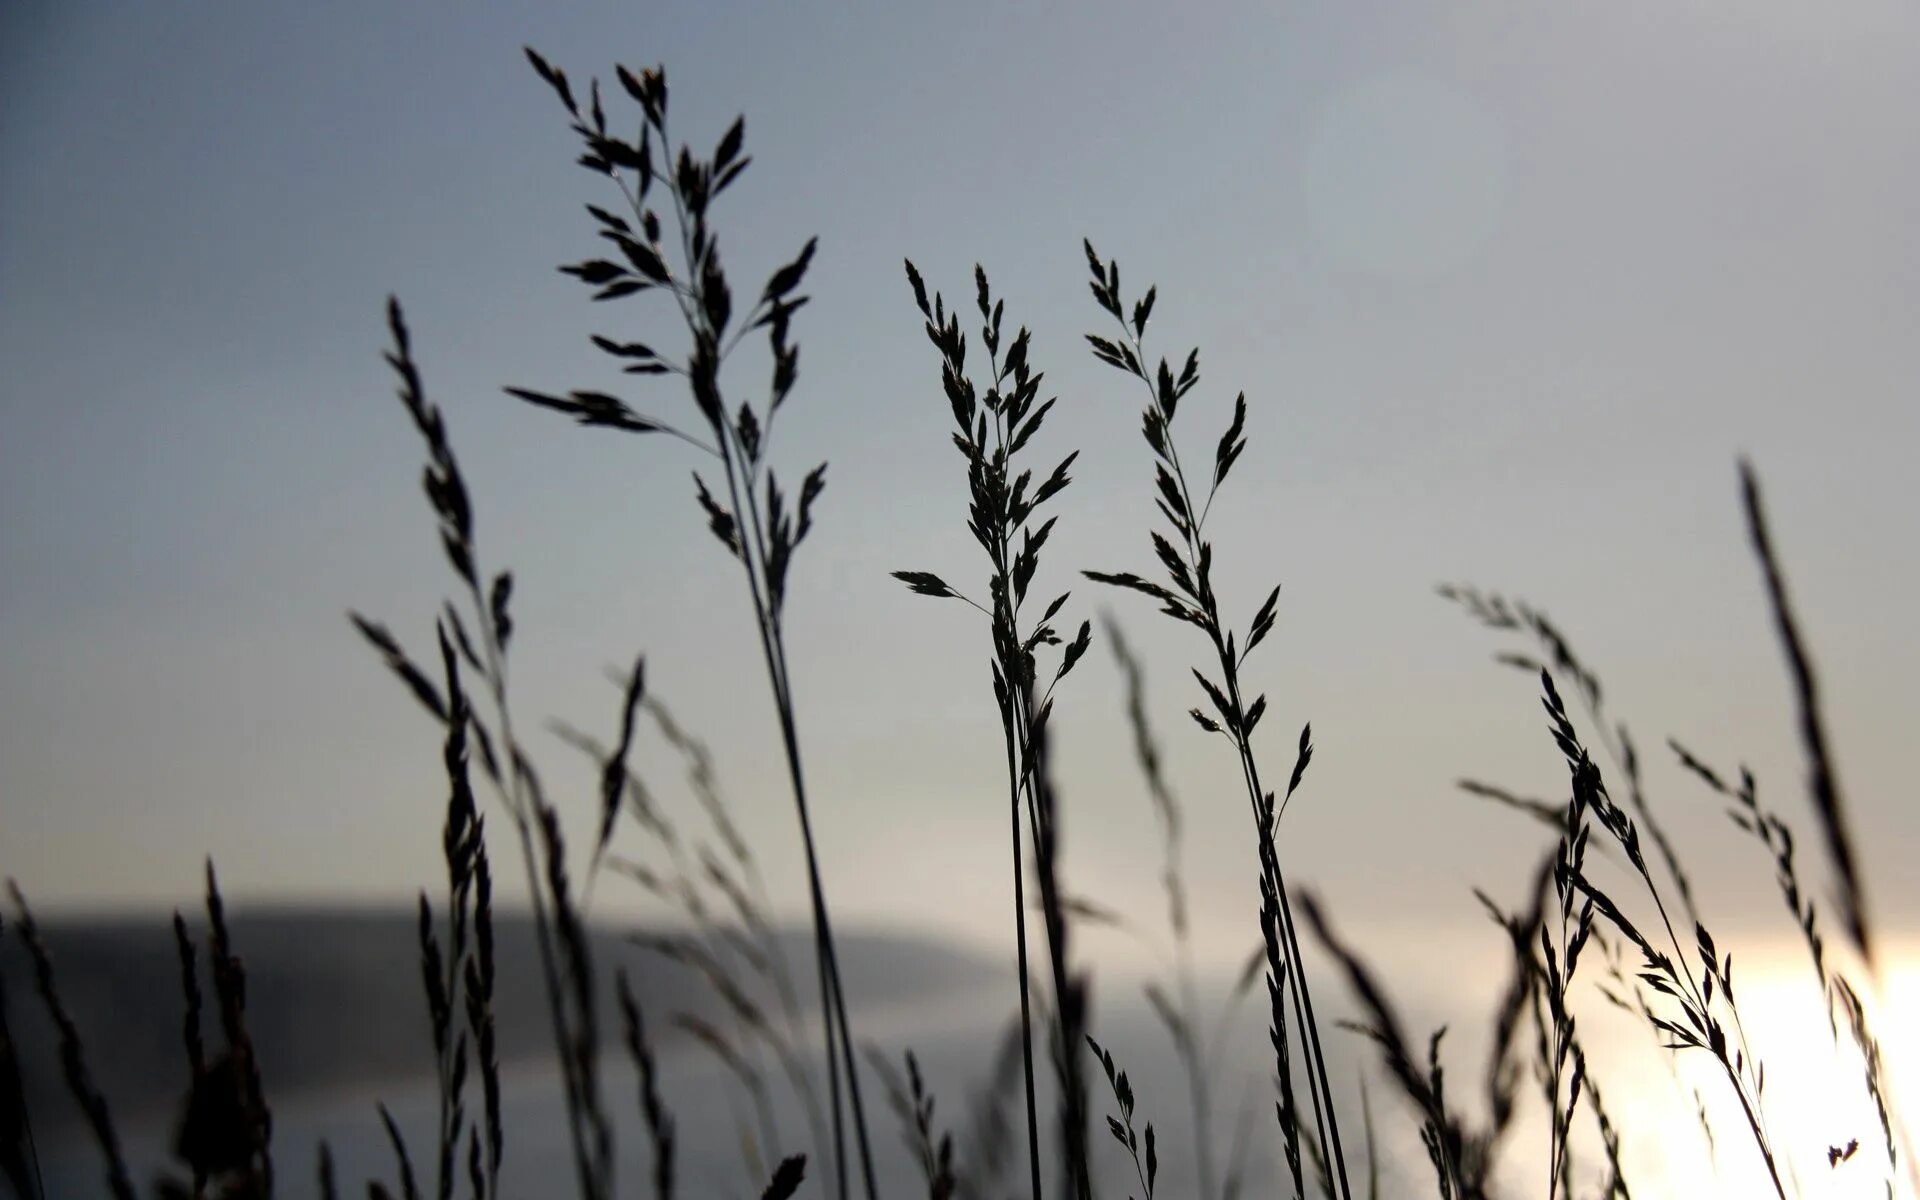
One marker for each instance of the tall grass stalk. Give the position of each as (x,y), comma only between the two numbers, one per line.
(992,427)
(757,522)
(1191,599)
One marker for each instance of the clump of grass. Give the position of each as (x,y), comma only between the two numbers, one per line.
(1773,833)
(1463,1151)
(566,971)
(1189,597)
(757,521)
(738,1027)
(1689,1008)
(991,428)
(732,946)
(225,1132)
(1693,1020)
(1683,988)
(466,970)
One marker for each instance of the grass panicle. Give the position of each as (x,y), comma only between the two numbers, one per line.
(760,524)
(913,1106)
(1146,1166)
(1823,784)
(75,1071)
(459,979)
(1188,596)
(1494,611)
(994,420)
(1696,1021)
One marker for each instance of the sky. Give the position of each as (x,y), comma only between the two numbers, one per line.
(1508,288)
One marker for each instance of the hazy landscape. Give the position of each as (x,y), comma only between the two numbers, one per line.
(1402,690)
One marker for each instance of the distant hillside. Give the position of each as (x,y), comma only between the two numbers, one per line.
(335,997)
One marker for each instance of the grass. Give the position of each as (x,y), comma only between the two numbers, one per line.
(1188,596)
(991,427)
(1614,882)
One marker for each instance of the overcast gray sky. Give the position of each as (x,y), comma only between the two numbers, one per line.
(1508,288)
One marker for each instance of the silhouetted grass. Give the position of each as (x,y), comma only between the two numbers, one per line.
(1822,782)
(1680,987)
(1144,1153)
(1188,597)
(913,1106)
(991,427)
(1196,1035)
(761,532)
(73,1056)
(729,944)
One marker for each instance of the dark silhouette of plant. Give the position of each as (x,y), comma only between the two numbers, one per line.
(463,975)
(225,1133)
(730,944)
(991,427)
(565,966)
(1691,1010)
(1823,785)
(760,524)
(73,1057)
(459,980)
(1682,987)
(1147,1169)
(1189,597)
(913,1106)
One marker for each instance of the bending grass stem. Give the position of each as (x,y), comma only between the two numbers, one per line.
(1319,1089)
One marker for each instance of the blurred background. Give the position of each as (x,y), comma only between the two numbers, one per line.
(1508,289)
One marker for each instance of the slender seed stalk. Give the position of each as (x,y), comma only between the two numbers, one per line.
(1000,519)
(1020,943)
(762,538)
(1191,599)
